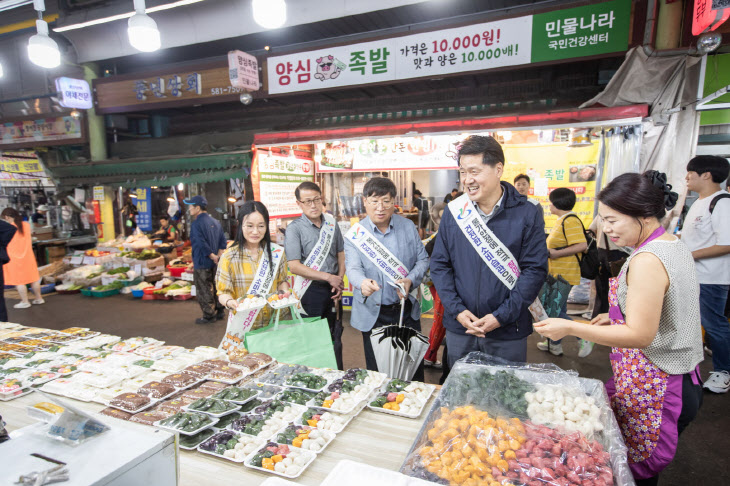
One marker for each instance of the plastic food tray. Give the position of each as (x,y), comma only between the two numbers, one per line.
(315,390)
(138,294)
(208,425)
(351,416)
(311,456)
(187,408)
(152,403)
(239,402)
(105,293)
(397,412)
(312,404)
(5,397)
(261,443)
(186,448)
(330,436)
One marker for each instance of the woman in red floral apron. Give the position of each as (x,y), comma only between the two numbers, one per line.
(653,324)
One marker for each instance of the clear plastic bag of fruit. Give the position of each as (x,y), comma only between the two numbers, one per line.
(481,429)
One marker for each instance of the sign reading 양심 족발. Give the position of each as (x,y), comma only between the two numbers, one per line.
(243,70)
(578,32)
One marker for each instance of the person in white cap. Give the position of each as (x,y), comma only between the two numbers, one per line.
(39,218)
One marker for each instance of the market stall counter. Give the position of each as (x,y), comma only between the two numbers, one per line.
(372,438)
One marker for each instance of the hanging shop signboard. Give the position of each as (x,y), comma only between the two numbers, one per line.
(571,33)
(397,153)
(707,15)
(553,165)
(44,131)
(74,93)
(197,85)
(20,167)
(275,177)
(243,70)
(144,209)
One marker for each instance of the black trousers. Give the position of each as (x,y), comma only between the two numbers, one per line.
(600,304)
(3,309)
(204,279)
(317,302)
(385,318)
(691,403)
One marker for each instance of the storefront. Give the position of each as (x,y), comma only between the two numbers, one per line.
(579,149)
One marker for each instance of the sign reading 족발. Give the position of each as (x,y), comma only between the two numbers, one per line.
(578,32)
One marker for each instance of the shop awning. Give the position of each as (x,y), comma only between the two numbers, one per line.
(577,117)
(156,171)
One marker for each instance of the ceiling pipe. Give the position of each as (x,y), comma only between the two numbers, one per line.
(649,29)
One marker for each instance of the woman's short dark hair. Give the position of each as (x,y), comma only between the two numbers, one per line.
(644,195)
(306,186)
(379,186)
(563,198)
(488,147)
(718,167)
(521,176)
(247,208)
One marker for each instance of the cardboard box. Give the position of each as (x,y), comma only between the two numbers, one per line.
(53,251)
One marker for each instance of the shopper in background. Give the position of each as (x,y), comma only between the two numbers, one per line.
(375,302)
(167,231)
(706,233)
(653,324)
(565,241)
(482,313)
(208,242)
(315,232)
(522,184)
(40,217)
(437,334)
(238,264)
(22,268)
(423,212)
(451,196)
(7,231)
(610,256)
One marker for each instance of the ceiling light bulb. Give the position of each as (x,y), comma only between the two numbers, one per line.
(180,186)
(1,70)
(142,30)
(231,199)
(708,42)
(42,50)
(269,14)
(246,98)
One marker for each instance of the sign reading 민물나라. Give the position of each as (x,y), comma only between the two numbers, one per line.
(275,179)
(578,32)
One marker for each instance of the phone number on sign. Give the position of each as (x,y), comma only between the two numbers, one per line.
(226,90)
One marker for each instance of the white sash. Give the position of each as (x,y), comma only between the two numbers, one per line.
(491,250)
(240,322)
(376,253)
(316,258)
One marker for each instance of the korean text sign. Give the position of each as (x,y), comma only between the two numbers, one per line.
(577,32)
(278,177)
(144,209)
(74,93)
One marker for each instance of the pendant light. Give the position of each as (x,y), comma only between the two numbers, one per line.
(142,30)
(270,14)
(42,50)
(1,70)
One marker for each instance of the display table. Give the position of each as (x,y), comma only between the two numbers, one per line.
(373,438)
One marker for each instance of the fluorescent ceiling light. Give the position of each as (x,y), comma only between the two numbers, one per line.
(8,4)
(123,16)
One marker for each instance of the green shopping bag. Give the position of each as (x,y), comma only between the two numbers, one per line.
(300,341)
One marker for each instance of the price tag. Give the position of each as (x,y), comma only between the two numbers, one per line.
(89,260)
(77,260)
